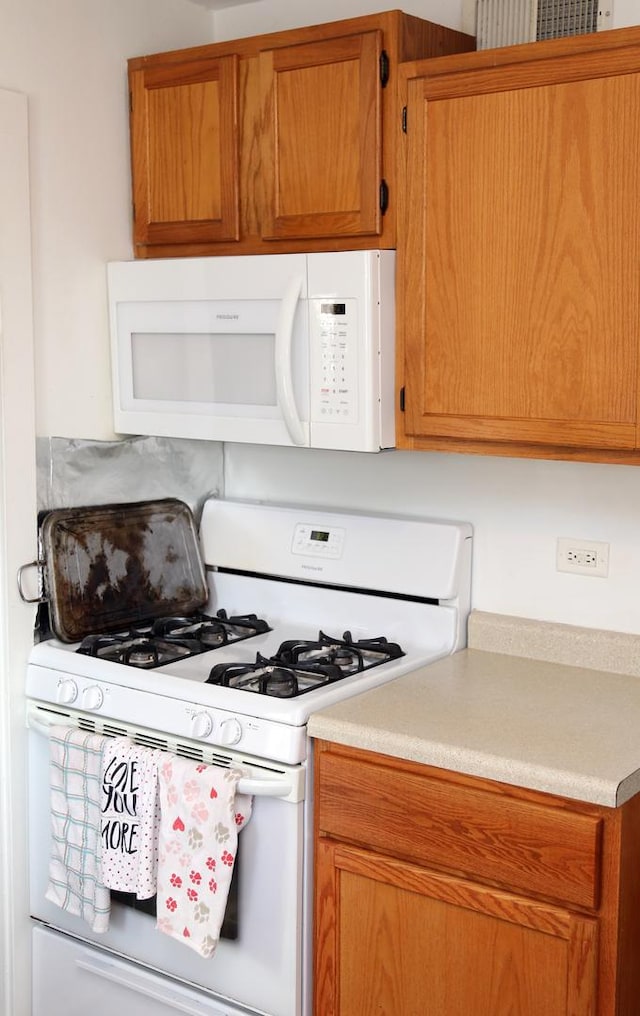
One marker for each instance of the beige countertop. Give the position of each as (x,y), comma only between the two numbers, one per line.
(519,719)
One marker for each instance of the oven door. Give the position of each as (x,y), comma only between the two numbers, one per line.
(260,969)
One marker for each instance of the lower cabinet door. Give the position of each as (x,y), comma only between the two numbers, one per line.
(396,938)
(74,979)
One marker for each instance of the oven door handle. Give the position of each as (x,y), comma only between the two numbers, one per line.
(263,788)
(141,983)
(253,787)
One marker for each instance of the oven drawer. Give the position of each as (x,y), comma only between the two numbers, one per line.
(547,850)
(73,979)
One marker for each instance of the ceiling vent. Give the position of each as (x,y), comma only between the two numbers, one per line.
(508,22)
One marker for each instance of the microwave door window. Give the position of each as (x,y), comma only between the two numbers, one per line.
(211,369)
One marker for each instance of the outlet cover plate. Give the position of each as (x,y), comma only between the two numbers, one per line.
(582,557)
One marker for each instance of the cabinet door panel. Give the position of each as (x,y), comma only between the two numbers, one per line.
(185,152)
(521,293)
(322,157)
(442,946)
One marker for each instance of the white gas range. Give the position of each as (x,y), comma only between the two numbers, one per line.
(306,607)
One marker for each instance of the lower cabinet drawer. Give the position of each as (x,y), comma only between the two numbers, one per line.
(545,850)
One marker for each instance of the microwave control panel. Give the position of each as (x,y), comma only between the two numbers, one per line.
(334,361)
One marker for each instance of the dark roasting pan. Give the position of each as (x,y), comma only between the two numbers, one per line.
(111,567)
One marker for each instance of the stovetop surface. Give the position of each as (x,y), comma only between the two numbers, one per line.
(423,631)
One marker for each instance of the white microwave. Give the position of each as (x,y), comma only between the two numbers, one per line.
(281,349)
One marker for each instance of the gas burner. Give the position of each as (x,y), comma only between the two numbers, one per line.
(302,665)
(274,677)
(172,638)
(351,657)
(212,631)
(138,649)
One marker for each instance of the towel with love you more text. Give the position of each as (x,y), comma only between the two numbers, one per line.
(130,817)
(201,816)
(74,866)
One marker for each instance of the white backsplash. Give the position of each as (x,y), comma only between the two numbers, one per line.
(518,508)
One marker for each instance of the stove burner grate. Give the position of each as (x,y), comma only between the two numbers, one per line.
(173,638)
(302,665)
(352,657)
(273,676)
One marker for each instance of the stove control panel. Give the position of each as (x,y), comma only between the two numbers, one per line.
(318,542)
(117,705)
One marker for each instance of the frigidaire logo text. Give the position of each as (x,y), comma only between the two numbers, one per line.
(228,317)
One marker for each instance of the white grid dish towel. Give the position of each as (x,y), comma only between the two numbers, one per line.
(74,866)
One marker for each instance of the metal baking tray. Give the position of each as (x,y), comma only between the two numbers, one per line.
(112,567)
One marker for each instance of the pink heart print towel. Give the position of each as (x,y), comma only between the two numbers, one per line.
(201,815)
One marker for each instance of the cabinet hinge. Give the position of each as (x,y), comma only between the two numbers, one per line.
(384,68)
(384,196)
(402,399)
(404,119)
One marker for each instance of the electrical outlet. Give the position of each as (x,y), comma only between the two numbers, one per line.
(583,557)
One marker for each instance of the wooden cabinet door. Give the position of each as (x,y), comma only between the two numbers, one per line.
(322,151)
(519,252)
(395,938)
(184,149)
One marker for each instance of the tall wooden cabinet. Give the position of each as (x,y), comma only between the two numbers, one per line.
(279,142)
(518,251)
(449,895)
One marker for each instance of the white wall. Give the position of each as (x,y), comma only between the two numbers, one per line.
(626,13)
(277,15)
(518,508)
(18,542)
(69,58)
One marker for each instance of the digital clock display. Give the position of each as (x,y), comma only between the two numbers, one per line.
(333,308)
(321,535)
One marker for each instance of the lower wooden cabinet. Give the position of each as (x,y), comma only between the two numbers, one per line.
(408,922)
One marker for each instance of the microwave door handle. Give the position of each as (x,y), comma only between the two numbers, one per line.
(283,365)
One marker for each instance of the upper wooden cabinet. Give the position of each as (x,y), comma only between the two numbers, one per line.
(322,145)
(281,142)
(184,146)
(518,251)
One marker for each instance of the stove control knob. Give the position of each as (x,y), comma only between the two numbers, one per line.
(67,691)
(201,725)
(230,732)
(92,697)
